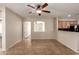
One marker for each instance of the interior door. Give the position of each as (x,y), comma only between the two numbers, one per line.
(27,29)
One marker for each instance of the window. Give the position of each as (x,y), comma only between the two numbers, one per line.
(39,26)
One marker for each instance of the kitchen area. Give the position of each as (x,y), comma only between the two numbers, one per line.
(68,33)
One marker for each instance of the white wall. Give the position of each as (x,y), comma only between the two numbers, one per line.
(49,27)
(13,28)
(69,39)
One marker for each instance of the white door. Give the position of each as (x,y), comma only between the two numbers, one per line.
(27,29)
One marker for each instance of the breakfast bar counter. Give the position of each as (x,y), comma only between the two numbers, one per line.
(69,39)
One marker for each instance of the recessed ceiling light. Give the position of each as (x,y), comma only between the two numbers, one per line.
(69,15)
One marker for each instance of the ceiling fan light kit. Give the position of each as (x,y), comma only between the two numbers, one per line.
(38,11)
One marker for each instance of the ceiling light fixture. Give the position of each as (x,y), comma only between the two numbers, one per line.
(38,11)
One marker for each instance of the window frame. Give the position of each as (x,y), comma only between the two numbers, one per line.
(36,24)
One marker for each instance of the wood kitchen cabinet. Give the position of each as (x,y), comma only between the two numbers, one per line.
(66,24)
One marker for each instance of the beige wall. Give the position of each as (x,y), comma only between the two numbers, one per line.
(49,28)
(13,28)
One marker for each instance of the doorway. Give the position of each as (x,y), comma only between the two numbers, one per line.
(26,29)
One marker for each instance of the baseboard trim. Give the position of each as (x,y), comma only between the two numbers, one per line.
(2,50)
(68,47)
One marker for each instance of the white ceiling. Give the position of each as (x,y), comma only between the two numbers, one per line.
(57,9)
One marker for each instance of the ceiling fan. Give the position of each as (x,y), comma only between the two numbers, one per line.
(40,8)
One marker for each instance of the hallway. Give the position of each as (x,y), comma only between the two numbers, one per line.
(40,47)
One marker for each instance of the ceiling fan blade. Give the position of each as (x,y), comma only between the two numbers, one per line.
(31,6)
(46,11)
(43,6)
(38,7)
